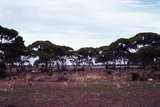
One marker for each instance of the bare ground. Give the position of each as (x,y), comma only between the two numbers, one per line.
(85,91)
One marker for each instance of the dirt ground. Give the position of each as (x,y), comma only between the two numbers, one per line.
(83,91)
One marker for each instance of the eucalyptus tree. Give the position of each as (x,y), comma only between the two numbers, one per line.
(44,51)
(75,59)
(49,54)
(145,39)
(87,55)
(120,50)
(104,55)
(61,55)
(11,45)
(145,44)
(117,52)
(149,56)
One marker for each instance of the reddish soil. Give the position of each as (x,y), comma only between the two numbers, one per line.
(97,92)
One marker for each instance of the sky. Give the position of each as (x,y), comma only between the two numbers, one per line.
(80,23)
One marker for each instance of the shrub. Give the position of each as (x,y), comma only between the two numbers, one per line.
(61,77)
(50,73)
(135,77)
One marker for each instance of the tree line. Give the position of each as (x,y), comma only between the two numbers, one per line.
(143,49)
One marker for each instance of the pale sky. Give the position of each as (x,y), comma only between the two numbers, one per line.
(80,23)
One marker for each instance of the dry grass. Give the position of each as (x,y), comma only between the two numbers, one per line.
(82,89)
(71,94)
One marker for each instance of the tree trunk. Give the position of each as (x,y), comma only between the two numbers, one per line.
(46,66)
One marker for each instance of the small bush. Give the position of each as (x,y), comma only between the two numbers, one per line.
(135,77)
(108,72)
(50,73)
(61,77)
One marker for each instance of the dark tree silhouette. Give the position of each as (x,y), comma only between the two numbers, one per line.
(87,55)
(49,54)
(11,45)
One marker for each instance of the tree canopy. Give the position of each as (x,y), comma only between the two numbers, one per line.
(143,48)
(11,45)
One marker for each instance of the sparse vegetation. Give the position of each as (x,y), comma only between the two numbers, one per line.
(61,76)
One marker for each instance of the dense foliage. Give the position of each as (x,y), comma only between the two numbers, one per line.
(142,49)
